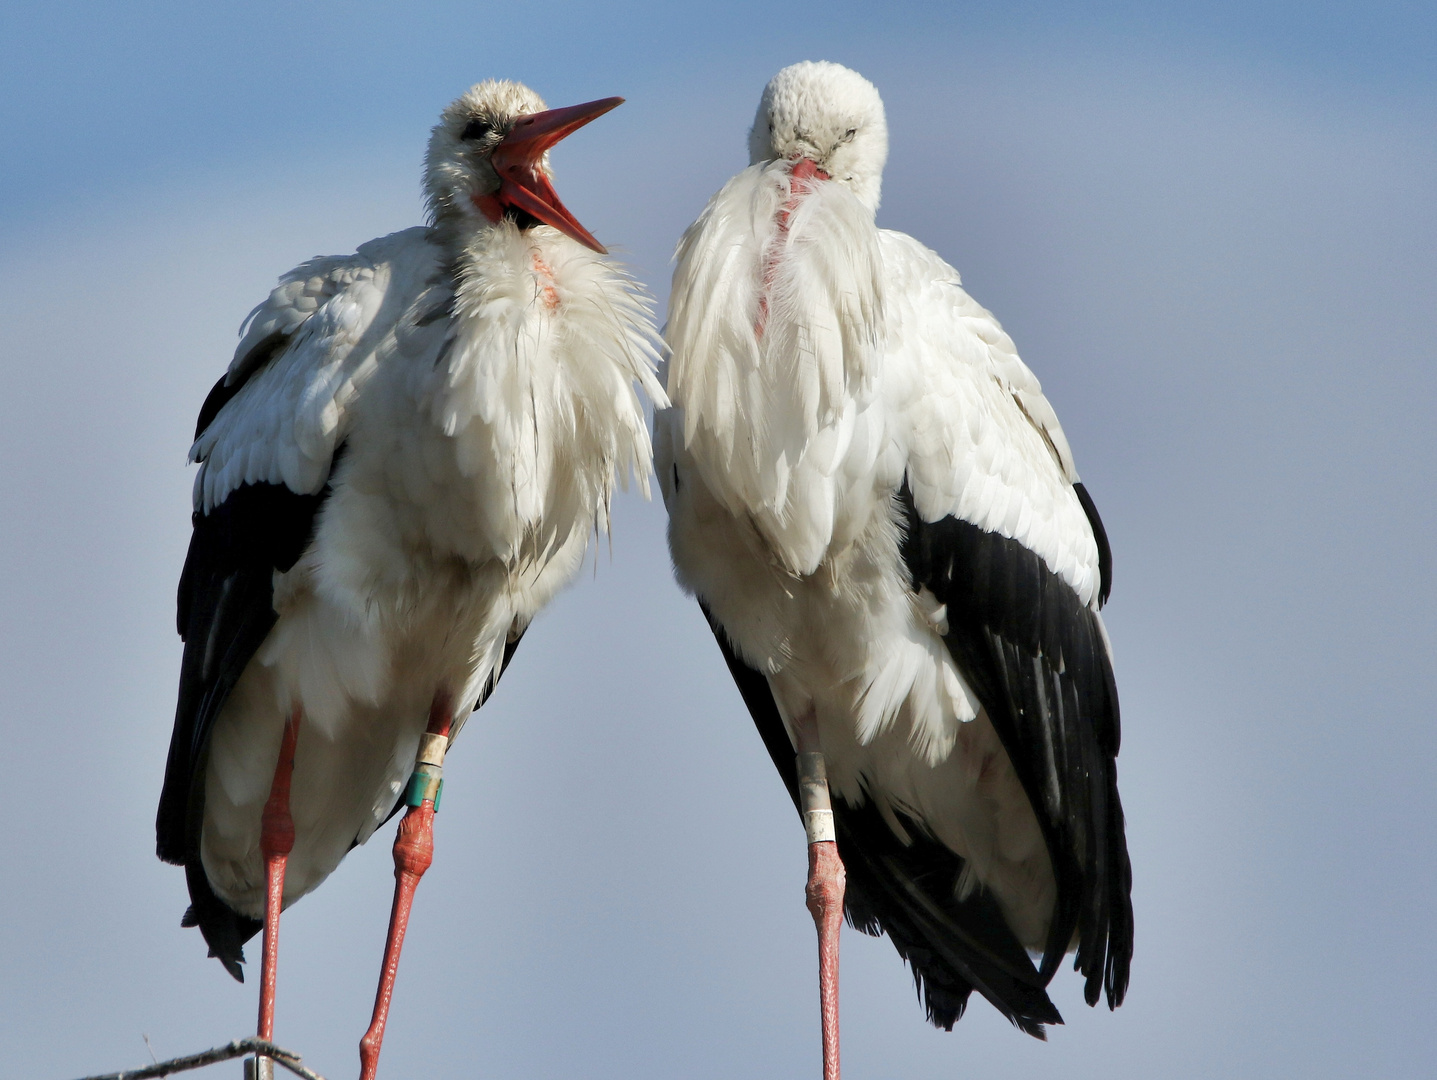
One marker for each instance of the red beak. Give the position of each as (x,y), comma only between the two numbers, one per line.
(516,160)
(806,170)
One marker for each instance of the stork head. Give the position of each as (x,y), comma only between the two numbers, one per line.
(828,116)
(488,159)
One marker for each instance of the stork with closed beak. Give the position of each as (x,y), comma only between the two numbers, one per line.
(877,509)
(402,465)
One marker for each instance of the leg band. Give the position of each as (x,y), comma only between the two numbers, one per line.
(427,780)
(813,798)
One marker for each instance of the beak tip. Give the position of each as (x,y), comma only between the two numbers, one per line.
(516,156)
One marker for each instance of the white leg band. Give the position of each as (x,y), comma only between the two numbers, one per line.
(813,798)
(431,749)
(818,826)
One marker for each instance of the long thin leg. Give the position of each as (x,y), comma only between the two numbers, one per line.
(825,902)
(276,841)
(413,853)
(826,880)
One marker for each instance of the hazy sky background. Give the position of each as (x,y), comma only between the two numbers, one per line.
(1211,229)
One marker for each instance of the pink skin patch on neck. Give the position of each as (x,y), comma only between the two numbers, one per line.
(805,176)
(545,272)
(493,209)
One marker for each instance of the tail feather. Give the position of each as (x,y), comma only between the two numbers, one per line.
(225,930)
(952,947)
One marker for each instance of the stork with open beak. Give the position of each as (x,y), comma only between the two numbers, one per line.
(402,465)
(878,511)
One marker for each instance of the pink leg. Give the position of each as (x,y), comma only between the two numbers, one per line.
(413,854)
(825,901)
(276,841)
(826,878)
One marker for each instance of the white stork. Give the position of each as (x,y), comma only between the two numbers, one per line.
(877,509)
(403,464)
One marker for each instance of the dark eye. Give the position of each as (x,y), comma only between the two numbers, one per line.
(848,135)
(477,129)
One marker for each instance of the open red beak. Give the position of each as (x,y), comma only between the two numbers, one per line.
(516,159)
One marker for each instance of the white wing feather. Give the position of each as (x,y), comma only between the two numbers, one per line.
(284,424)
(983,443)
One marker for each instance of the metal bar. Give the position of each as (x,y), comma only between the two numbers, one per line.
(237,1048)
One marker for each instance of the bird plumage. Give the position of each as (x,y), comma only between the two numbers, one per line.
(877,508)
(402,466)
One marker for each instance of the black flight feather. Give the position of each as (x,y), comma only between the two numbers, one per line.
(1100,534)
(908,891)
(224,612)
(1035,655)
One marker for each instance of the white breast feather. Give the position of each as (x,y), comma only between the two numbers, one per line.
(555,399)
(769,412)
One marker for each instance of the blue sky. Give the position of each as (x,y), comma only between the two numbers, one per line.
(1212,232)
(136,92)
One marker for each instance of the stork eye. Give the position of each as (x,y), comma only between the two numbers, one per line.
(477,129)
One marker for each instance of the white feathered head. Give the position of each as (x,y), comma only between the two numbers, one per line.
(829,115)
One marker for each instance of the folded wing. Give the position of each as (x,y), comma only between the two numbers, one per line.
(999,531)
(267,441)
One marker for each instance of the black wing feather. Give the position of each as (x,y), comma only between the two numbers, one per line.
(1037,659)
(1100,534)
(907,891)
(225,609)
(234,380)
